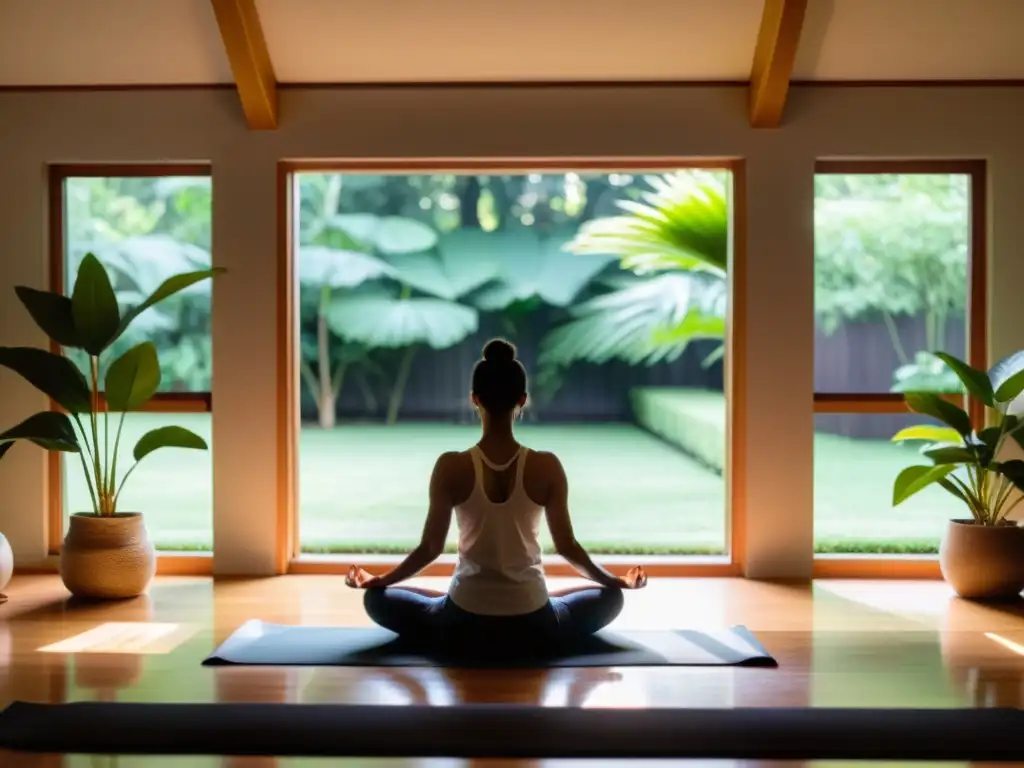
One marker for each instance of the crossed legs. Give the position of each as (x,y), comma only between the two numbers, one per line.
(418,613)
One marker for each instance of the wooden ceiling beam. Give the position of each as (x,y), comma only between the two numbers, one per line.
(240,30)
(774,55)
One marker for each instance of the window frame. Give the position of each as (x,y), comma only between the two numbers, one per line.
(916,566)
(288,556)
(168,563)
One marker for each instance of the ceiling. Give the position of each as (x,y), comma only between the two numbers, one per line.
(176,42)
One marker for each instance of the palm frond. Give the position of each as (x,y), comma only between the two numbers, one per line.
(647,322)
(681,224)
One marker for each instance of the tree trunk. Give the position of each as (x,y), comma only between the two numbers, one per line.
(369,398)
(398,390)
(469,202)
(326,401)
(596,191)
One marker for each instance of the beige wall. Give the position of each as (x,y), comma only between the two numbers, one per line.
(174,125)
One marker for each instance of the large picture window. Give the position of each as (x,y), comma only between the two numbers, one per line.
(899,275)
(613,285)
(145,225)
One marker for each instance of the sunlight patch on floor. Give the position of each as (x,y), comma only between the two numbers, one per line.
(139,638)
(1006,643)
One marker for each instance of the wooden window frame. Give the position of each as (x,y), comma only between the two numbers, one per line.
(916,566)
(288,556)
(168,563)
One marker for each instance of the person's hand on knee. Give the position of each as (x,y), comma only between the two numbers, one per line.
(635,578)
(360,578)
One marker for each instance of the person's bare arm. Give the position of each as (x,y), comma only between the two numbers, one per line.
(556,508)
(435,530)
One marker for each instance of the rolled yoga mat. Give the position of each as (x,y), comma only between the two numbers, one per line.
(260,643)
(501,730)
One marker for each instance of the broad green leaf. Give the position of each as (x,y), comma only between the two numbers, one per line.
(94,306)
(938,408)
(975,381)
(167,437)
(379,320)
(929,432)
(467,265)
(169,287)
(1010,389)
(398,234)
(52,313)
(359,227)
(465,261)
(529,266)
(917,478)
(424,272)
(1006,369)
(951,454)
(1013,471)
(53,375)
(133,378)
(49,429)
(337,268)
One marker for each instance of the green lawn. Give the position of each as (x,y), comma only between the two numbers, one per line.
(364,487)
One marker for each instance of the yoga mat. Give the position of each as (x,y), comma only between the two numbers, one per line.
(501,730)
(260,643)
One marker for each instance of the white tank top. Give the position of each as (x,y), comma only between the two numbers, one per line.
(499,571)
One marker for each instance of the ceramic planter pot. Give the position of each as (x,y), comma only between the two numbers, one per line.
(6,562)
(107,558)
(983,562)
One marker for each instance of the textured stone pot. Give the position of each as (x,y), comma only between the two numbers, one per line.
(983,562)
(6,563)
(107,558)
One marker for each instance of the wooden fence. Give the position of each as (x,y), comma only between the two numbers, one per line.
(858,357)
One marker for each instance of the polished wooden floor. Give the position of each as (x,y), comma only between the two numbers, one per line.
(839,643)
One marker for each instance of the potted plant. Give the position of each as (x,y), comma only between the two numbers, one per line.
(106,553)
(982,555)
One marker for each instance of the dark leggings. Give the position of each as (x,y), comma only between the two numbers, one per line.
(438,621)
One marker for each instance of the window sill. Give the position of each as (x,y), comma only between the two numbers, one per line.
(708,566)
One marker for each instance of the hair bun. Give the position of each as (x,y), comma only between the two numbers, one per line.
(499,351)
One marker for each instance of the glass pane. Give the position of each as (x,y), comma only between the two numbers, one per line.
(172,487)
(891,255)
(402,279)
(855,465)
(144,230)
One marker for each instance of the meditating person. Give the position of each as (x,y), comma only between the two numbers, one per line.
(498,598)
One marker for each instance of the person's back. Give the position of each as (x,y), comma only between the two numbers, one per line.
(499,571)
(497,599)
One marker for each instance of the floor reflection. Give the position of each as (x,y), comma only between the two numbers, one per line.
(941,651)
